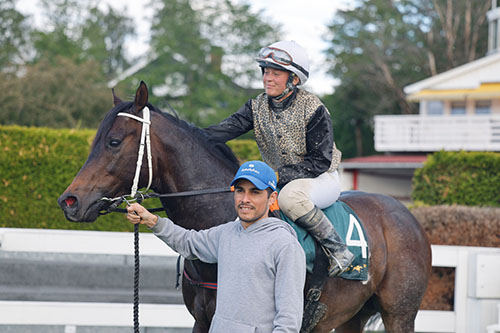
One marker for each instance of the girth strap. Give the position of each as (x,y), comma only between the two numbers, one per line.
(208,285)
(314,310)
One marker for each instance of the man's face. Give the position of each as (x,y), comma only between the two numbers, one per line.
(250,203)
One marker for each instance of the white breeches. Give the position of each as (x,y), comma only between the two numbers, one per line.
(298,197)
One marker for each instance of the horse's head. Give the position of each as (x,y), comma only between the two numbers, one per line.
(109,169)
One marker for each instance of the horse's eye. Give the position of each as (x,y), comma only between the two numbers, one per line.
(114,143)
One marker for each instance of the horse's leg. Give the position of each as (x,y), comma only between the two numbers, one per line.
(355,324)
(201,304)
(359,320)
(204,309)
(344,299)
(399,297)
(400,303)
(199,328)
(399,322)
(405,281)
(202,312)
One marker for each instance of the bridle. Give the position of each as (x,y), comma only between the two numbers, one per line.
(144,144)
(135,194)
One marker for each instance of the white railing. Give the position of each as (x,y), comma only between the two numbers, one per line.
(73,314)
(419,133)
(90,242)
(477,291)
(494,328)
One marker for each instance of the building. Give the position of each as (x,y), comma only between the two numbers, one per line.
(458,110)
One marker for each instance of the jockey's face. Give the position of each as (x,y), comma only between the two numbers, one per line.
(250,203)
(274,81)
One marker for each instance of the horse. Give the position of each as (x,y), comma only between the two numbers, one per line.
(184,158)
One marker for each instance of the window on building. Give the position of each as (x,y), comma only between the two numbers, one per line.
(482,107)
(435,108)
(457,108)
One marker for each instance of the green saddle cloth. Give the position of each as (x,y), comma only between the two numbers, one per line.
(348,226)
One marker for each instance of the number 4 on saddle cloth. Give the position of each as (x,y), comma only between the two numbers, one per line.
(349,227)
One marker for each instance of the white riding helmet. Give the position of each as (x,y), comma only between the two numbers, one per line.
(285,55)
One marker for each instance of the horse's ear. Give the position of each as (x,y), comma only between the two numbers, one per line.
(141,96)
(116,100)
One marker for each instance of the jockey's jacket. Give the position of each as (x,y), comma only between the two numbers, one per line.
(294,138)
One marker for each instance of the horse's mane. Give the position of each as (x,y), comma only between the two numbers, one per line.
(219,149)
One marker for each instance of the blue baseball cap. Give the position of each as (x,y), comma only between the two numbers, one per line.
(257,172)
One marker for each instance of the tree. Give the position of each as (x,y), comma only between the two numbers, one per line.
(378,47)
(63,84)
(61,31)
(202,57)
(351,127)
(57,93)
(453,32)
(82,31)
(103,39)
(14,32)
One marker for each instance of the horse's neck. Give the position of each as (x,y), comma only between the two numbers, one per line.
(182,164)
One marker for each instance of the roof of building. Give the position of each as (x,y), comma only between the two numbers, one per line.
(482,92)
(468,76)
(384,162)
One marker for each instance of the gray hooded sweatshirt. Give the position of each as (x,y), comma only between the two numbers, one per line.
(261,272)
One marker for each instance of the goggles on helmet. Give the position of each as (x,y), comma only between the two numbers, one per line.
(281,57)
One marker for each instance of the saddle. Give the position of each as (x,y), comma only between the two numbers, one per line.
(349,227)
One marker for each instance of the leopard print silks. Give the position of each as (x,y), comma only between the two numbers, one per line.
(281,136)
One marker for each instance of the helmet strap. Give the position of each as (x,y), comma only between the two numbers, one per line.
(289,87)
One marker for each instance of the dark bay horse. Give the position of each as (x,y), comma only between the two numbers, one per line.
(184,159)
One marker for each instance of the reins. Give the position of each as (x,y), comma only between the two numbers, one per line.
(139,196)
(142,196)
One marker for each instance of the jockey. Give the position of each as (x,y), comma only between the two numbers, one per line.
(294,134)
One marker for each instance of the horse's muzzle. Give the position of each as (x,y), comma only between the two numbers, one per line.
(75,210)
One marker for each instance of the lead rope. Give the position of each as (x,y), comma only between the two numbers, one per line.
(136,278)
(145,141)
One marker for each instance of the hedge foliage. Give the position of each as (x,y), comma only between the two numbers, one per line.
(460,225)
(454,225)
(461,178)
(38,164)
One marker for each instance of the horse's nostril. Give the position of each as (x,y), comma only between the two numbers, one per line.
(70,201)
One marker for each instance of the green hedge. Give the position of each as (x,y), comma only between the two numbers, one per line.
(462,178)
(38,164)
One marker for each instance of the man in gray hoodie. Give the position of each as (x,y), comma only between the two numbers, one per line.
(261,265)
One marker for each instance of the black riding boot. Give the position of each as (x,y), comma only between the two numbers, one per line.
(318,225)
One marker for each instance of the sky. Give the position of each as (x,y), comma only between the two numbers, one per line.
(302,21)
